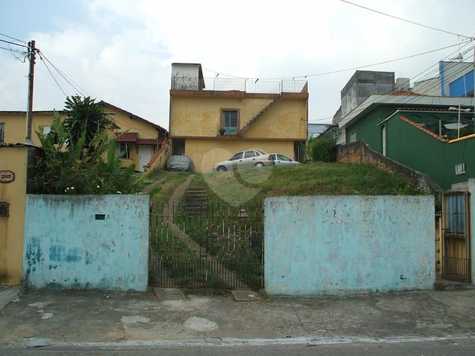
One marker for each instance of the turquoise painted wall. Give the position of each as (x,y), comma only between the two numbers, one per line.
(331,245)
(98,242)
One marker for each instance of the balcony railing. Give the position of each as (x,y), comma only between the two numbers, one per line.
(256,85)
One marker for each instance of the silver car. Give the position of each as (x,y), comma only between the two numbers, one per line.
(248,158)
(278,159)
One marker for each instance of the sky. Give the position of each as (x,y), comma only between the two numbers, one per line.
(121,51)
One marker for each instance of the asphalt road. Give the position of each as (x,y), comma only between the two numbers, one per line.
(464,347)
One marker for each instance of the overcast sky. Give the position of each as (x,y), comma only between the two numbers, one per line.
(120,51)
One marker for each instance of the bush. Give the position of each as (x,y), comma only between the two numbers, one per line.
(323,149)
(84,163)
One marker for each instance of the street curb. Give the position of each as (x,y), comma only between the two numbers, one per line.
(236,342)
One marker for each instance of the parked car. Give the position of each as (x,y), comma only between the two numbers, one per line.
(244,159)
(179,163)
(278,159)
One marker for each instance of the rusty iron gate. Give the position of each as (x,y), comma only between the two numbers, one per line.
(456,236)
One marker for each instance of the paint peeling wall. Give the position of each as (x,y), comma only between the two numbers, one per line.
(348,244)
(87,241)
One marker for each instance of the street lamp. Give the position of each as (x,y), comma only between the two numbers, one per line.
(459,109)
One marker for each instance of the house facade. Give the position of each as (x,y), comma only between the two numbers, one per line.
(420,132)
(209,126)
(138,139)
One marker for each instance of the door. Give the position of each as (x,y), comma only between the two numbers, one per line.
(145,155)
(456,236)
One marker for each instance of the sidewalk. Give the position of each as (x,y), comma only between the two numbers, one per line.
(63,317)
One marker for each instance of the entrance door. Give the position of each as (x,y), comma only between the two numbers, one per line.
(145,155)
(456,232)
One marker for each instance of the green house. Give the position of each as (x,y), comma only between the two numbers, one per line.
(433,135)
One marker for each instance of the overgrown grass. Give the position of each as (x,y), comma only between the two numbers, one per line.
(307,179)
(162,184)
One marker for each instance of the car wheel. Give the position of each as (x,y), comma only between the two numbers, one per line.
(259,164)
(221,169)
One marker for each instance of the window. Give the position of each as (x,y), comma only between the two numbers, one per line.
(230,121)
(2,132)
(460,169)
(250,154)
(45,130)
(124,151)
(236,156)
(384,140)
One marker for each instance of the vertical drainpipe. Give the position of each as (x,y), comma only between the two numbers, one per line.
(442,78)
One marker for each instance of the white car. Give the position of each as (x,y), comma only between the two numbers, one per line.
(278,159)
(244,159)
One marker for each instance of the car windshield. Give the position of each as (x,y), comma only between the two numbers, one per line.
(260,152)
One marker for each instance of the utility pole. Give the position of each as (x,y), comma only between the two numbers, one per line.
(31,76)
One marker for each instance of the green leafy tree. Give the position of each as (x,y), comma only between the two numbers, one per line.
(83,165)
(85,117)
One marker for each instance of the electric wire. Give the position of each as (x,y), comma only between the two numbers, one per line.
(12,38)
(407,20)
(52,75)
(13,43)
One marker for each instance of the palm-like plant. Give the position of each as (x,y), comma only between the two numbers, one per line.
(85,117)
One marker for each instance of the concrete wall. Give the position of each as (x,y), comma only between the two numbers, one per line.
(68,245)
(11,228)
(346,244)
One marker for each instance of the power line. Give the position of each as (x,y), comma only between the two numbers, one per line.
(312,75)
(13,43)
(51,74)
(407,20)
(12,38)
(380,63)
(65,77)
(12,50)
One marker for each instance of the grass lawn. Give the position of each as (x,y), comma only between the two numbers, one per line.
(306,179)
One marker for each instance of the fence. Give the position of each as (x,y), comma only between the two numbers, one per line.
(208,246)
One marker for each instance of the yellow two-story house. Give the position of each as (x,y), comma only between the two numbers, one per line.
(139,140)
(209,126)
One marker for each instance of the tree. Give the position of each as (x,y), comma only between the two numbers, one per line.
(85,117)
(80,165)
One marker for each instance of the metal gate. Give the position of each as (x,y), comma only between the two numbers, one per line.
(456,236)
(211,245)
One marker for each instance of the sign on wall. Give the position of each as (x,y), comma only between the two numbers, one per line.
(6,176)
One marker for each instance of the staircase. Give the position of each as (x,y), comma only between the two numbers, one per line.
(258,115)
(195,200)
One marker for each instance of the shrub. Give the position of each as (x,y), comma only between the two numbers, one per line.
(323,149)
